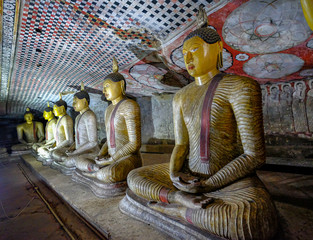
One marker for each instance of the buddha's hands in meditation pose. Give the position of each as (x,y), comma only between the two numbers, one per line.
(104,160)
(71,150)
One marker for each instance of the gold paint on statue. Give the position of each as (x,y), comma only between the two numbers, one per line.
(63,132)
(120,154)
(307,6)
(49,131)
(28,133)
(222,195)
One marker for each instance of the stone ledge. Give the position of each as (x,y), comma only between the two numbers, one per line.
(103,214)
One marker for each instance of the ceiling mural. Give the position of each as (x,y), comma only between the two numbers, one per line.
(50,46)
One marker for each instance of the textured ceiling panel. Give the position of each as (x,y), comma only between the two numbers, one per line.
(50,46)
(62,43)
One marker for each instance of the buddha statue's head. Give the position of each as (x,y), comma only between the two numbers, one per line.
(114,85)
(59,108)
(28,116)
(48,113)
(202,50)
(81,99)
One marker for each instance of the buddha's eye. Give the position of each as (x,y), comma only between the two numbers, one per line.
(193,50)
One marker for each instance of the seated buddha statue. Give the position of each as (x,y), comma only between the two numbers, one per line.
(63,134)
(28,133)
(120,154)
(211,179)
(86,137)
(49,130)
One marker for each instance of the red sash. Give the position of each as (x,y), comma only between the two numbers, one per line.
(205,118)
(47,130)
(112,129)
(34,131)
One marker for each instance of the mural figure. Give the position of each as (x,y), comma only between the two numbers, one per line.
(309,106)
(265,108)
(211,181)
(28,133)
(286,108)
(298,108)
(273,109)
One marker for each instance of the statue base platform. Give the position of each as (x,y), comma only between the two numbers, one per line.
(47,161)
(100,189)
(136,207)
(63,169)
(19,153)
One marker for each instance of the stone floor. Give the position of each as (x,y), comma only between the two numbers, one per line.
(22,213)
(292,193)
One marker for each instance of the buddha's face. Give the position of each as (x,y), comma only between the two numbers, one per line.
(29,118)
(79,104)
(58,111)
(200,57)
(48,115)
(112,90)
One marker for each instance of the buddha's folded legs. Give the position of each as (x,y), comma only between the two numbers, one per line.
(36,146)
(148,181)
(236,212)
(59,154)
(117,171)
(83,162)
(44,152)
(20,147)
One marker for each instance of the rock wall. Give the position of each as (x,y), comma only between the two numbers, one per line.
(156,118)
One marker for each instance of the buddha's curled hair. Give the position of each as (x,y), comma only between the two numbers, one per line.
(208,35)
(61,103)
(83,94)
(116,77)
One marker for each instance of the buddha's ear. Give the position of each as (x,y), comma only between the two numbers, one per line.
(220,45)
(123,87)
(86,102)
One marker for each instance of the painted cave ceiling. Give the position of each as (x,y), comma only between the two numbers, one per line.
(50,46)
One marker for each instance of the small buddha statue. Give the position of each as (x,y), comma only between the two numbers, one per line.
(120,154)
(63,134)
(49,130)
(210,181)
(28,133)
(86,137)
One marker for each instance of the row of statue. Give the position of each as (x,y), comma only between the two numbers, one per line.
(211,180)
(288,109)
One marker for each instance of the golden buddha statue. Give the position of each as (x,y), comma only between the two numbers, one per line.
(63,134)
(49,130)
(120,154)
(86,137)
(219,143)
(28,133)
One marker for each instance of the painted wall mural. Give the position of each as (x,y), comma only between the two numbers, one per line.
(266,26)
(288,108)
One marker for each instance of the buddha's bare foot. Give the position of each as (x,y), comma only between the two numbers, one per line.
(169,209)
(89,174)
(67,163)
(191,200)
